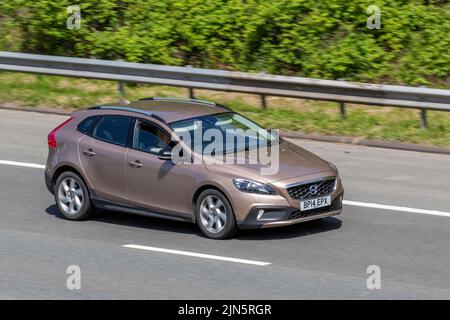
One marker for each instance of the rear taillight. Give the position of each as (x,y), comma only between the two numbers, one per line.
(52,143)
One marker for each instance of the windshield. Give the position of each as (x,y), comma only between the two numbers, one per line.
(222,133)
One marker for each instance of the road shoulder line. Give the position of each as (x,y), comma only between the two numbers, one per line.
(22,164)
(345,202)
(395,208)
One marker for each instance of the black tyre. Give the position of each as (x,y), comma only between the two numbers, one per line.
(214,215)
(72,197)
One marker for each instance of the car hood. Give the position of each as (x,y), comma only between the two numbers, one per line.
(294,161)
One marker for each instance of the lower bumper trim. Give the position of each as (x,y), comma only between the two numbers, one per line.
(284,216)
(300,220)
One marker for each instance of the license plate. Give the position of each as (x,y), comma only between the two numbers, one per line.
(315,203)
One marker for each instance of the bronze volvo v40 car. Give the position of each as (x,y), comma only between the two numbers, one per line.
(121,157)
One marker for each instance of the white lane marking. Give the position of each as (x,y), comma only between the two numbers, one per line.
(197,255)
(346,202)
(395,208)
(22,164)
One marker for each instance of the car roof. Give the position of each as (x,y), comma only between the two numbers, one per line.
(168,109)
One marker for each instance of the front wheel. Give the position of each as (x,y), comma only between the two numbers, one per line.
(72,197)
(214,215)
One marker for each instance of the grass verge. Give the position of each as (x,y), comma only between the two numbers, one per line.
(391,124)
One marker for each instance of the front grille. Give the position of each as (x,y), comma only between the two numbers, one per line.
(335,205)
(302,191)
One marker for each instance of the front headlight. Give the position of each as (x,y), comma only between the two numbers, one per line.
(253,186)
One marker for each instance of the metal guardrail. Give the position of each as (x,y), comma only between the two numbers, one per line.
(221,80)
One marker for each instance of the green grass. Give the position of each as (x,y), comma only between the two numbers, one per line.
(393,124)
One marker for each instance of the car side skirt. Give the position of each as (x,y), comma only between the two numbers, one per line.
(105,204)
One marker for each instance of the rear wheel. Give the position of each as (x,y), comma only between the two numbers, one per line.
(72,197)
(214,215)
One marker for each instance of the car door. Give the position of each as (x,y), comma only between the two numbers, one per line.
(153,183)
(102,156)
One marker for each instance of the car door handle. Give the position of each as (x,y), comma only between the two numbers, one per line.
(89,153)
(135,164)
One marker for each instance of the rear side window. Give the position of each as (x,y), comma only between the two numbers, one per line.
(112,129)
(86,125)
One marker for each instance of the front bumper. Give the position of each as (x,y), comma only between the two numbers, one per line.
(266,216)
(285,210)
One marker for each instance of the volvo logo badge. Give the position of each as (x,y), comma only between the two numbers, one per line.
(313,189)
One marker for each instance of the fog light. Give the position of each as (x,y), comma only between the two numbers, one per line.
(269,214)
(260,213)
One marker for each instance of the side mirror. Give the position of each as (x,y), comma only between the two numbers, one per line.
(165,154)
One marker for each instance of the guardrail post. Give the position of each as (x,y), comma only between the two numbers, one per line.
(342,109)
(191,93)
(263,101)
(342,104)
(190,90)
(423,119)
(121,89)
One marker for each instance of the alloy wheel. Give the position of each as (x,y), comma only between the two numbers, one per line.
(70,195)
(213,214)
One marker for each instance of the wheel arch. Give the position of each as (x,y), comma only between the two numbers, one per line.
(206,187)
(64,168)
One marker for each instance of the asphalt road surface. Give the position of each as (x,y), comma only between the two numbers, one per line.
(409,240)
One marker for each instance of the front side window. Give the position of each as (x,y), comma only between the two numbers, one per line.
(113,129)
(150,138)
(235,132)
